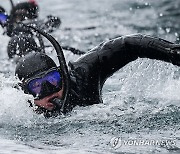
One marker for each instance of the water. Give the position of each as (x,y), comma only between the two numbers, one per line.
(141,101)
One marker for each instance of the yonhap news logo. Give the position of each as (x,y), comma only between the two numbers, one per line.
(117,142)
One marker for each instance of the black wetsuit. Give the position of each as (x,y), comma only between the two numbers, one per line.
(49,24)
(23,40)
(89,73)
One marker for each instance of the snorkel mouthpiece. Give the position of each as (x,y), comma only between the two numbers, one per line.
(57,102)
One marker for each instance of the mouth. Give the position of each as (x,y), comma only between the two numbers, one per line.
(50,105)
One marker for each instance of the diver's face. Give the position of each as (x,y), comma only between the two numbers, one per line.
(45,102)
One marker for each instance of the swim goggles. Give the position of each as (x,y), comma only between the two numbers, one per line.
(44,84)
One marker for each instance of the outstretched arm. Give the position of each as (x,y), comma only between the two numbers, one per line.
(116,53)
(112,55)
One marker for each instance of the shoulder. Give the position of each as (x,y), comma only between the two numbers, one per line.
(83,73)
(84,84)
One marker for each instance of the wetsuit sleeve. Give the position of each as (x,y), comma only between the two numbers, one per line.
(116,53)
(50,24)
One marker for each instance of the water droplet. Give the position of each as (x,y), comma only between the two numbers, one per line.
(160,14)
(168,30)
(176,34)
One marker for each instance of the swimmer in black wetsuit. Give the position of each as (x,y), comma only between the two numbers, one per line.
(22,40)
(27,12)
(48,83)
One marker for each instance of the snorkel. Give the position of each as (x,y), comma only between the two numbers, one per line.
(12,3)
(60,104)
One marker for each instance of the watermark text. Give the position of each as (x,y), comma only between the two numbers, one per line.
(117,142)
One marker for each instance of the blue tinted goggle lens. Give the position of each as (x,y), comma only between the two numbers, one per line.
(3,18)
(53,77)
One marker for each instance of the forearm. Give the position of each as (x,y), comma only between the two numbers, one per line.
(150,47)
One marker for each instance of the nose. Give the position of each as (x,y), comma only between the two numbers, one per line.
(48,88)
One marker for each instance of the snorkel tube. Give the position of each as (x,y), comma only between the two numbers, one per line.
(12,3)
(66,78)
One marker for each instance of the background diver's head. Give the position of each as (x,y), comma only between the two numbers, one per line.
(25,10)
(41,78)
